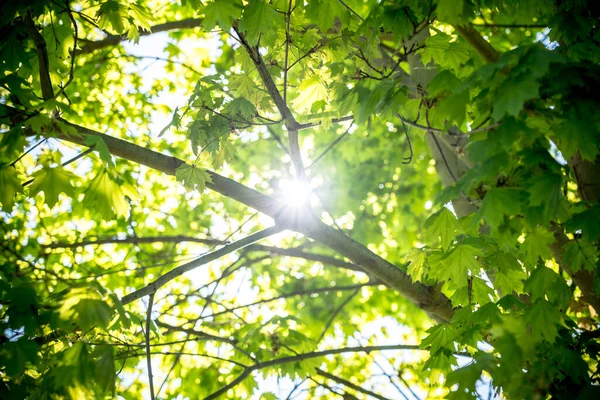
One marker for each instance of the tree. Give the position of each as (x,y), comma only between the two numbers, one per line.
(356,199)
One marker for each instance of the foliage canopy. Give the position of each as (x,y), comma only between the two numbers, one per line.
(359,198)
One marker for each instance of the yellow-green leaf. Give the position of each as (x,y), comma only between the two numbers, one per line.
(192,177)
(52,181)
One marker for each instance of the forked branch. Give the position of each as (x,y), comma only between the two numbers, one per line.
(182,269)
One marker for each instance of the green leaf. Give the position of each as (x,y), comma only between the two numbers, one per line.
(444,81)
(509,281)
(221,12)
(142,17)
(487,313)
(52,181)
(175,121)
(324,13)
(453,11)
(512,95)
(417,267)
(111,14)
(309,91)
(579,254)
(192,177)
(107,197)
(242,108)
(537,245)
(454,267)
(85,308)
(105,369)
(259,16)
(440,337)
(226,153)
(546,190)
(499,202)
(442,226)
(543,319)
(586,222)
(11,185)
(243,85)
(465,377)
(545,283)
(17,355)
(454,107)
(440,362)
(100,147)
(481,292)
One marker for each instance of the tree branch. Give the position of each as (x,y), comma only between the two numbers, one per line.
(133,240)
(297,293)
(292,252)
(113,40)
(298,253)
(482,46)
(44,65)
(286,114)
(148,353)
(349,384)
(427,298)
(306,356)
(174,273)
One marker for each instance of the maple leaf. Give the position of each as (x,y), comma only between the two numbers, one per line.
(222,13)
(509,281)
(444,81)
(417,267)
(440,336)
(442,226)
(546,190)
(192,177)
(52,181)
(226,153)
(512,95)
(587,222)
(259,16)
(309,91)
(545,283)
(107,197)
(580,254)
(543,319)
(325,12)
(537,245)
(241,108)
(499,202)
(455,265)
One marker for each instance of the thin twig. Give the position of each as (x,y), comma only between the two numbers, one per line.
(336,312)
(77,157)
(74,52)
(177,357)
(148,353)
(331,145)
(174,273)
(12,164)
(349,384)
(351,10)
(287,49)
(408,159)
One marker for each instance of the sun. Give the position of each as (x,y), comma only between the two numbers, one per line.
(294,193)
